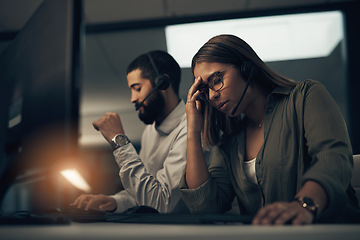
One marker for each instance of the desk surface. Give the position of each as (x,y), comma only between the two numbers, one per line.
(102,231)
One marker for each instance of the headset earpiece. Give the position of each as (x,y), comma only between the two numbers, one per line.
(162,81)
(246,66)
(246,69)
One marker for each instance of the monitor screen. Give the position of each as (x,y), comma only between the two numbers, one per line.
(39,71)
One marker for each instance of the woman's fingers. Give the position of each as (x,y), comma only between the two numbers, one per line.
(193,89)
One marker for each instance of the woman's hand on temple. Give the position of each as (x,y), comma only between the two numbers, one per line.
(194,107)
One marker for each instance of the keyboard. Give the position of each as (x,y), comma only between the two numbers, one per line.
(68,215)
(80,215)
(144,215)
(180,218)
(31,218)
(52,216)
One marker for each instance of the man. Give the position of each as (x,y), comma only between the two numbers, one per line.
(151,177)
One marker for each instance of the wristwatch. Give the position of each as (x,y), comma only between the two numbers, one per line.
(118,141)
(309,204)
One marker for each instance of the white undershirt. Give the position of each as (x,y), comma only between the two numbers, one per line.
(249,170)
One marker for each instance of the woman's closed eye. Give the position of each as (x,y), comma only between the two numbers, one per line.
(217,79)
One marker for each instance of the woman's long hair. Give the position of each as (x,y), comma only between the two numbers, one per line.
(231,49)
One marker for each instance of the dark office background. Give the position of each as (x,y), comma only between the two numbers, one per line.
(131,28)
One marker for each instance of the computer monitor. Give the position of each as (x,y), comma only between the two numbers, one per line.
(39,73)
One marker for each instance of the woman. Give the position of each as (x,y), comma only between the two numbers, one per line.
(280,147)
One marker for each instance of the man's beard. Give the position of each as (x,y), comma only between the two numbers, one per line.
(153,109)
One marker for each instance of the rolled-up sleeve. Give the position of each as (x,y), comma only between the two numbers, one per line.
(159,190)
(213,196)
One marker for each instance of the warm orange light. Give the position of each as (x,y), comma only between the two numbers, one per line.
(74,177)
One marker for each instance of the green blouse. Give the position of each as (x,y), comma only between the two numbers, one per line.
(306,138)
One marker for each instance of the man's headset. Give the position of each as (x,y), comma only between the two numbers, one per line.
(246,69)
(161,82)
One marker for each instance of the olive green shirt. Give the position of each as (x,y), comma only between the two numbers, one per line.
(305,138)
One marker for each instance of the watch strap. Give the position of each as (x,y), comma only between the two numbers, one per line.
(309,204)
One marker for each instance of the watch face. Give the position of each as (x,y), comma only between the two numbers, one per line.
(121,140)
(308,203)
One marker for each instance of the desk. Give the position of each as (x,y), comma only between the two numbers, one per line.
(103,231)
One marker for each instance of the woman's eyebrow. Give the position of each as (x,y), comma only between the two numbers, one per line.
(213,74)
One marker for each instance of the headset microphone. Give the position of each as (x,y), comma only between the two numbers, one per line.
(147,96)
(161,82)
(242,96)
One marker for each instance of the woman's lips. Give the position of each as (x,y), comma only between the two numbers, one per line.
(222,105)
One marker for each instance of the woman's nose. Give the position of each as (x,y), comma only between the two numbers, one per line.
(213,95)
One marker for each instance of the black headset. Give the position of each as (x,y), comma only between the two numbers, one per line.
(246,70)
(161,81)
(247,66)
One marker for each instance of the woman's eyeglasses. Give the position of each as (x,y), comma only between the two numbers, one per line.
(215,83)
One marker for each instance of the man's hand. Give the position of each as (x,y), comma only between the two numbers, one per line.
(109,125)
(98,202)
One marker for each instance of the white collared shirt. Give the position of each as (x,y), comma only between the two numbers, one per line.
(152,177)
